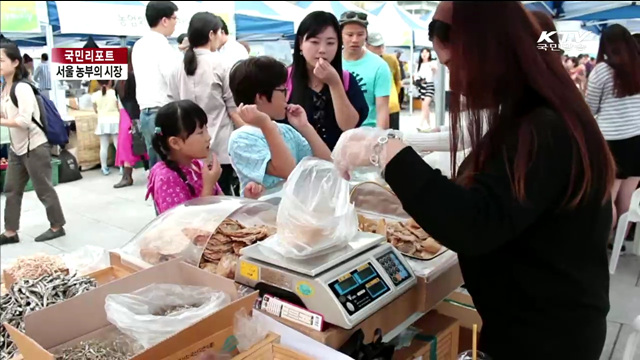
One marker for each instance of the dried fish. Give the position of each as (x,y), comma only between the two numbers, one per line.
(221,253)
(26,296)
(36,266)
(172,310)
(409,238)
(120,347)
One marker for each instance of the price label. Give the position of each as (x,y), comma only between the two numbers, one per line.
(248,270)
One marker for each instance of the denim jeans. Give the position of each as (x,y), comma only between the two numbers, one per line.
(148,129)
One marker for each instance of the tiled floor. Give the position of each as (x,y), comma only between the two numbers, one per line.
(99,215)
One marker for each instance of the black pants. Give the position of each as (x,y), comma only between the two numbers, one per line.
(401,96)
(394,121)
(229,181)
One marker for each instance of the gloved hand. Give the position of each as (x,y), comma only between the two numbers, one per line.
(362,147)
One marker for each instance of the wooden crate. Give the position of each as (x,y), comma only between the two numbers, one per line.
(270,349)
(446,329)
(88,143)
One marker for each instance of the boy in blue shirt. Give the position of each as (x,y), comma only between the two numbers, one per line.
(265,152)
(372,73)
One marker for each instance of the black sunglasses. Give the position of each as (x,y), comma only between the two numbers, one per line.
(352,15)
(439,29)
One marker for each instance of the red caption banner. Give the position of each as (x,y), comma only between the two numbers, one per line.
(89,64)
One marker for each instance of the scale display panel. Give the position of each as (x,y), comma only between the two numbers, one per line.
(359,288)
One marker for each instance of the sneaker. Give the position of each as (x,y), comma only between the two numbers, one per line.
(105,171)
(4,239)
(50,235)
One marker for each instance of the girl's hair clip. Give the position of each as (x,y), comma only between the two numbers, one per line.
(158,131)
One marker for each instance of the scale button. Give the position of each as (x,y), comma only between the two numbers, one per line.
(350,307)
(342,299)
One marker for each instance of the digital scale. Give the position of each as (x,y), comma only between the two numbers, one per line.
(345,286)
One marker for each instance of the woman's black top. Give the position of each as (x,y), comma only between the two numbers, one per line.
(127,95)
(538,276)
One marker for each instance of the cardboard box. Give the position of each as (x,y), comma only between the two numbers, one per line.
(459,305)
(268,349)
(117,269)
(66,323)
(447,331)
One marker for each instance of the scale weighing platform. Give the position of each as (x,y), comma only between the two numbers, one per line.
(345,286)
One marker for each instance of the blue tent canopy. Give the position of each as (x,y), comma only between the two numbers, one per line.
(264,19)
(247,25)
(337,8)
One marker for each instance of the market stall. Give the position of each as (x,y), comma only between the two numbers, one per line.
(386,276)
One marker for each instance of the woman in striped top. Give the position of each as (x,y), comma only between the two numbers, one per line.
(613,94)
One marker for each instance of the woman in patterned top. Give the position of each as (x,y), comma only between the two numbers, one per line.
(181,139)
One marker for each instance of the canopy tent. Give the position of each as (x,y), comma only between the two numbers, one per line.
(257,20)
(125,18)
(595,15)
(406,31)
(426,17)
(337,8)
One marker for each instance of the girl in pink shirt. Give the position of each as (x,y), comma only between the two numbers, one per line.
(181,138)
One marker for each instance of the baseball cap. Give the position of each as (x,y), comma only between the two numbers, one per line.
(357,17)
(375,39)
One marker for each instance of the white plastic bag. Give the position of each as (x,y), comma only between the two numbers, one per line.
(248,330)
(86,259)
(137,314)
(315,215)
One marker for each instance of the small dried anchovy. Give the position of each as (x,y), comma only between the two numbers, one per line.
(26,296)
(122,348)
(173,309)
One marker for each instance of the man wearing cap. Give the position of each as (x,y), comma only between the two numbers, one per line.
(370,70)
(375,44)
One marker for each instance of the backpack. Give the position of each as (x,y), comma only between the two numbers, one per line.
(51,122)
(69,170)
(289,85)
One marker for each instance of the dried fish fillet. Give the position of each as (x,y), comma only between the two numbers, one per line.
(409,238)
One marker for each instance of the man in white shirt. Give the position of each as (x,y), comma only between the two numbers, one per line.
(230,50)
(153,61)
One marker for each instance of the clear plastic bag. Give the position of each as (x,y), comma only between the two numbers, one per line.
(86,259)
(158,311)
(248,330)
(315,215)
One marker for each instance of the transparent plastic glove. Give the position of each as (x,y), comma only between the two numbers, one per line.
(357,148)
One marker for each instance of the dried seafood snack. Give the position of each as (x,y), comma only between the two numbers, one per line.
(223,249)
(408,237)
(173,309)
(36,266)
(27,295)
(120,347)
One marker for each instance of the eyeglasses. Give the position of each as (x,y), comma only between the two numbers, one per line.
(353,15)
(439,29)
(282,90)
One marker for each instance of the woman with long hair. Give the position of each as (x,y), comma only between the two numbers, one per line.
(126,155)
(424,76)
(204,79)
(29,152)
(105,104)
(529,211)
(330,95)
(614,97)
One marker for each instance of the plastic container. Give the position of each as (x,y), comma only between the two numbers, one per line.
(184,231)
